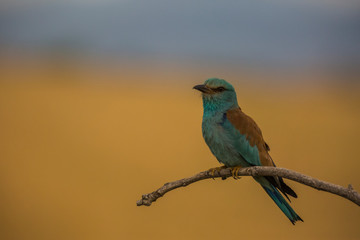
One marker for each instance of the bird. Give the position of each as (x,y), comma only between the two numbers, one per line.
(236,141)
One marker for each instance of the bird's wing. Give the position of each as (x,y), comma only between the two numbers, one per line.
(247,127)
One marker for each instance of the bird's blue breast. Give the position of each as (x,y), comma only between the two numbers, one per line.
(228,145)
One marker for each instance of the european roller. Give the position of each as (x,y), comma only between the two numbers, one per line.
(236,140)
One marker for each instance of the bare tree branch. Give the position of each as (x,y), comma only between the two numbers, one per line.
(348,193)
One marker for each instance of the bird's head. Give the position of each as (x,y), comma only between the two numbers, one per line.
(217,94)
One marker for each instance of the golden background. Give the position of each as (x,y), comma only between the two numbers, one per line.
(78,148)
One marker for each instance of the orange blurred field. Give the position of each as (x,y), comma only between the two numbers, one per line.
(76,154)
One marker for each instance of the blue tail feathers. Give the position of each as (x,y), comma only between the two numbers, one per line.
(282,203)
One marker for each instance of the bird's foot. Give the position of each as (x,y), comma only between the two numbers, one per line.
(217,169)
(235,172)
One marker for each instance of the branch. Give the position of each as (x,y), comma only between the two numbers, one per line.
(348,193)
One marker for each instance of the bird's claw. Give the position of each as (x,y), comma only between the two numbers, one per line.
(213,170)
(235,172)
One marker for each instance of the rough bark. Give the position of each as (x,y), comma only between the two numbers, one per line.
(348,193)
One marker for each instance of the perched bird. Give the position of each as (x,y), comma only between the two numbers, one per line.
(236,140)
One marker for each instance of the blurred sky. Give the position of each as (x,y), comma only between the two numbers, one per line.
(268,33)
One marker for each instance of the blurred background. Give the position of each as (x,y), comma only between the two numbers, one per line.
(97,108)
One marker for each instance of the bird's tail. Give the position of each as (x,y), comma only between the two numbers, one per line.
(279,200)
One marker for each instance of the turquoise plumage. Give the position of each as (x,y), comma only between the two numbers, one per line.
(236,141)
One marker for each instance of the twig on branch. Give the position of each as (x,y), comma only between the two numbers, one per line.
(348,193)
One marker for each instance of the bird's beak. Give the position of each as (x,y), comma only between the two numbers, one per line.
(202,88)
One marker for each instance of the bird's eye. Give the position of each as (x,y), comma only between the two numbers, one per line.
(219,89)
